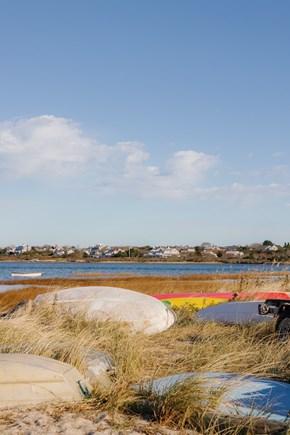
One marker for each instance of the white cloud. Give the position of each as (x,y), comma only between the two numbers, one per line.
(42,147)
(176,178)
(48,148)
(190,167)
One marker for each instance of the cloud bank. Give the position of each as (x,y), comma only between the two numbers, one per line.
(52,148)
(42,147)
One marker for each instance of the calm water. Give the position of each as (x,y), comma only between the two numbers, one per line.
(64,270)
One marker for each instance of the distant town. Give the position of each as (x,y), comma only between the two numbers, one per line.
(266,252)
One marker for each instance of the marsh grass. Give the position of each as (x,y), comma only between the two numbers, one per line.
(249,282)
(186,347)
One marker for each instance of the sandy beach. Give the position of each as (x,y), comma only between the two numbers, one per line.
(68,420)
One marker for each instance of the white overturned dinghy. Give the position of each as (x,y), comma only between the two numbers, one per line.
(140,311)
(33,379)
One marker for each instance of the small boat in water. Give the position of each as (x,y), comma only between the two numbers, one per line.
(26,274)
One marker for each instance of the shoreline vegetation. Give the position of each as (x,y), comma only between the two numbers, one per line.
(133,260)
(185,347)
(256,253)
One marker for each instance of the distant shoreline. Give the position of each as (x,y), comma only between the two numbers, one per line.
(132,261)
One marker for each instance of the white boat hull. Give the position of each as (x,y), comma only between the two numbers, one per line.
(142,312)
(26,275)
(32,379)
(239,395)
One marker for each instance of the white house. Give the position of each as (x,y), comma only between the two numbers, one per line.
(234,254)
(162,252)
(272,248)
(22,249)
(58,251)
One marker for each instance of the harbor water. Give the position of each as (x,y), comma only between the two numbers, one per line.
(70,269)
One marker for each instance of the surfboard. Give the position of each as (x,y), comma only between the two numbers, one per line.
(238,395)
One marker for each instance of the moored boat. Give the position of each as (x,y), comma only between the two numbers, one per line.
(26,274)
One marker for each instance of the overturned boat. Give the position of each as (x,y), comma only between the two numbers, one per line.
(142,312)
(233,313)
(237,395)
(199,300)
(32,379)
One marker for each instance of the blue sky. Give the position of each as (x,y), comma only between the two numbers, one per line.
(144,122)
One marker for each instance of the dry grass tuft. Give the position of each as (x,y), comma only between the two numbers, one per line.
(183,403)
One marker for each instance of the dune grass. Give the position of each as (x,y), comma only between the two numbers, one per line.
(185,347)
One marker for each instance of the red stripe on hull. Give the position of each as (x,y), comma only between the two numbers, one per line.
(229,295)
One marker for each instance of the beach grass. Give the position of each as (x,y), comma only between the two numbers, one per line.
(186,347)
